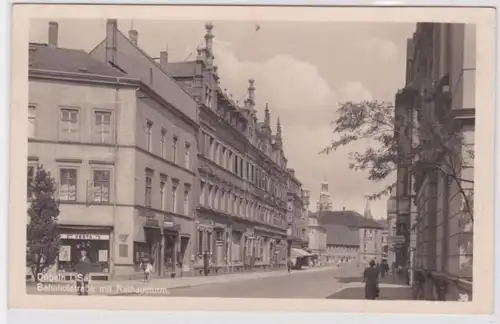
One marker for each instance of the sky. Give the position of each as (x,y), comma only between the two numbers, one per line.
(302,70)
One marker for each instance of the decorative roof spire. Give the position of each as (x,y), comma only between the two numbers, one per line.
(279,139)
(209,43)
(267,116)
(250,101)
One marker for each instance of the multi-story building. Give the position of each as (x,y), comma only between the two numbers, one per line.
(440,87)
(244,180)
(297,222)
(122,151)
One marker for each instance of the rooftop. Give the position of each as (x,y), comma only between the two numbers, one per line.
(45,57)
(349,218)
(341,235)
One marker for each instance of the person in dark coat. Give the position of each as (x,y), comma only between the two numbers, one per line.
(83,268)
(370,277)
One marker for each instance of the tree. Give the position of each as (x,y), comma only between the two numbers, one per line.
(43,239)
(399,140)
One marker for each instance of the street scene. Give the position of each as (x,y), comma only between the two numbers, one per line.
(243,160)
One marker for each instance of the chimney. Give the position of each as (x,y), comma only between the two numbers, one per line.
(111,40)
(164,58)
(133,35)
(53,33)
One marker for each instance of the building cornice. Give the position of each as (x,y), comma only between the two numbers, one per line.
(111,81)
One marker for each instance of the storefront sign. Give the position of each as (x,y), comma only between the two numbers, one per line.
(152,222)
(85,236)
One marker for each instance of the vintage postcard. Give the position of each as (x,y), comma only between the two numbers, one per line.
(266,158)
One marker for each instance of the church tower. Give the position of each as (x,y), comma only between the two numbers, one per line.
(325,198)
(368,211)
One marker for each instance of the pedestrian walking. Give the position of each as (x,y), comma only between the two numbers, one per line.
(289,266)
(147,268)
(83,267)
(370,277)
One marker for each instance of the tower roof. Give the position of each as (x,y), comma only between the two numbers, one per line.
(368,212)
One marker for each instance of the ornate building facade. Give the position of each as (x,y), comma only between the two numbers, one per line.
(244,181)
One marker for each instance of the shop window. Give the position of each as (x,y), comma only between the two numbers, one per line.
(97,250)
(141,250)
(123,250)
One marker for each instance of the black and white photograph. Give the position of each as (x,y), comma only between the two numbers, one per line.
(253,158)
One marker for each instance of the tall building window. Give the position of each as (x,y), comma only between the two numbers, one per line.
(163,183)
(174,149)
(216,153)
(102,127)
(186,201)
(31,121)
(229,158)
(68,184)
(202,193)
(223,160)
(174,198)
(148,189)
(31,176)
(216,198)
(187,156)
(236,163)
(101,185)
(211,148)
(69,124)
(149,136)
(163,143)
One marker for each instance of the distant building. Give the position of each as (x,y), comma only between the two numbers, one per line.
(342,244)
(368,230)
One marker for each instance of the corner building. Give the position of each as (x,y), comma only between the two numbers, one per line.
(122,149)
(242,187)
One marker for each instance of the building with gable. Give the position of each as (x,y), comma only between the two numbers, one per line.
(249,200)
(122,149)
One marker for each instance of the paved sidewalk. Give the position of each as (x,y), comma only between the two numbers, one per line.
(161,285)
(391,288)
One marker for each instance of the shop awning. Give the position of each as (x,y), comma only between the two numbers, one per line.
(299,253)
